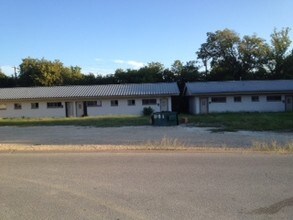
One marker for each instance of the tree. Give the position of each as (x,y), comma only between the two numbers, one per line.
(72,76)
(6,81)
(288,67)
(168,76)
(2,75)
(185,72)
(226,56)
(3,79)
(153,72)
(279,50)
(254,55)
(220,52)
(190,72)
(128,76)
(42,72)
(35,72)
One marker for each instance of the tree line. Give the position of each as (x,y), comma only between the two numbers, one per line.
(224,56)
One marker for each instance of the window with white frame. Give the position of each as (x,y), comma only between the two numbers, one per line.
(96,103)
(274,98)
(220,99)
(114,102)
(131,102)
(17,106)
(54,105)
(255,98)
(35,105)
(149,101)
(237,99)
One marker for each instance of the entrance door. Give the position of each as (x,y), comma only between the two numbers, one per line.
(289,103)
(203,105)
(69,109)
(79,109)
(164,104)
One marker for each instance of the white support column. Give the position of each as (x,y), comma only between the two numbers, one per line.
(197,105)
(74,109)
(169,104)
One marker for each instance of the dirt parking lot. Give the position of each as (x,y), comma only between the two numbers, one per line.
(190,136)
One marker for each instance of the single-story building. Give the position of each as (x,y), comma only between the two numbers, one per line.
(240,96)
(91,100)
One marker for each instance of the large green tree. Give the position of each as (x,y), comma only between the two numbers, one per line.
(40,72)
(280,44)
(71,75)
(254,55)
(220,54)
(288,67)
(226,56)
(6,81)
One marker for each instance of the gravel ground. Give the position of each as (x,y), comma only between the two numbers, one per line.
(189,136)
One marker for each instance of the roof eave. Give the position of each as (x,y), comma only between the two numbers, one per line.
(240,92)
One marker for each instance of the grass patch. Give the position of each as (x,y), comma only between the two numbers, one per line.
(220,122)
(101,121)
(273,147)
(244,121)
(166,143)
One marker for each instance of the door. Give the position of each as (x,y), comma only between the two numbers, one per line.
(79,109)
(289,103)
(203,105)
(164,104)
(69,109)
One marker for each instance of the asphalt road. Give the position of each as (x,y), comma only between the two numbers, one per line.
(145,186)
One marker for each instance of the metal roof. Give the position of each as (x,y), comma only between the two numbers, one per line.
(228,87)
(89,91)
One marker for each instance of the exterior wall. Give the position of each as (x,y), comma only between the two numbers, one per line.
(246,105)
(197,105)
(27,112)
(169,104)
(123,108)
(192,105)
(106,109)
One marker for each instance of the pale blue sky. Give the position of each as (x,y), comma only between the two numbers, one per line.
(103,35)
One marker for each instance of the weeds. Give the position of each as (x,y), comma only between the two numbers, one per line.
(165,143)
(273,147)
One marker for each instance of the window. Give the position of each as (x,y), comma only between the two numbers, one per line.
(255,98)
(34,105)
(131,102)
(3,107)
(91,103)
(97,103)
(114,102)
(219,99)
(17,106)
(274,98)
(149,102)
(237,98)
(54,105)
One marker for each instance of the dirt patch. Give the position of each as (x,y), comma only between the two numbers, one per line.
(274,208)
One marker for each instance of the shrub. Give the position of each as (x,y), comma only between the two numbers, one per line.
(147,111)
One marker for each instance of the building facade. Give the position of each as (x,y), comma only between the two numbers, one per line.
(79,101)
(240,96)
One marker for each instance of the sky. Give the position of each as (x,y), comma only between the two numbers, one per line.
(101,36)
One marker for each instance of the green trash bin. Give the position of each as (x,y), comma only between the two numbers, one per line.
(164,119)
